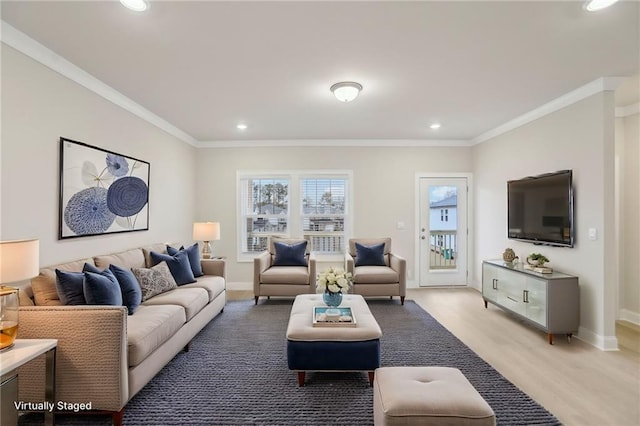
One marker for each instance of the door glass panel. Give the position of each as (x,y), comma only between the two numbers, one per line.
(443,224)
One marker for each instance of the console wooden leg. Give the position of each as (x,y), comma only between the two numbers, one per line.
(371,377)
(300,378)
(550,338)
(485,304)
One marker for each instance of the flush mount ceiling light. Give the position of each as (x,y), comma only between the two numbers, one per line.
(137,5)
(593,5)
(434,126)
(241,126)
(346,91)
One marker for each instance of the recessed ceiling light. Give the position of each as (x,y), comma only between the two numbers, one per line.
(594,5)
(435,126)
(346,91)
(241,126)
(137,5)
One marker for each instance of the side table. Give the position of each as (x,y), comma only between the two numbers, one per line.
(23,351)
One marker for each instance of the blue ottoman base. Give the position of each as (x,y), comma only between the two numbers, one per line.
(333,356)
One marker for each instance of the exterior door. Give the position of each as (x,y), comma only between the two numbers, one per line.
(443,231)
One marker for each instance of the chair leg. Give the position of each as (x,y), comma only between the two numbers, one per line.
(402,300)
(257,297)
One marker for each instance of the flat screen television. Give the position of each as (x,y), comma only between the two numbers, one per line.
(540,209)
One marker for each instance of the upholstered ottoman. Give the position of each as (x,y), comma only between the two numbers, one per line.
(427,396)
(312,348)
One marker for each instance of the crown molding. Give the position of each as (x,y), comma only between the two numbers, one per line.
(337,142)
(38,52)
(590,89)
(628,110)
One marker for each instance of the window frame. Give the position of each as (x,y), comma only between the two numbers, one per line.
(295,213)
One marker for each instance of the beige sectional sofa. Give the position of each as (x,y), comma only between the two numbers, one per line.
(104,355)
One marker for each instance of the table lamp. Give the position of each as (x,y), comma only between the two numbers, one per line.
(19,261)
(206,232)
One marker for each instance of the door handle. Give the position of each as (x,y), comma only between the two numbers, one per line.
(423,237)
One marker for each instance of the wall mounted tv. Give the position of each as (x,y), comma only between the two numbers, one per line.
(540,209)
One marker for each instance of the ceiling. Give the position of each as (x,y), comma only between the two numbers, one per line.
(472,66)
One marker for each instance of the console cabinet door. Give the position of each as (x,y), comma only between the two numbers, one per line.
(536,301)
(489,282)
(511,286)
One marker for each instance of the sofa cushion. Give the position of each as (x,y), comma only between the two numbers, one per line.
(178,265)
(214,285)
(69,286)
(290,254)
(193,252)
(191,299)
(150,327)
(285,275)
(370,255)
(102,288)
(44,285)
(375,275)
(158,248)
(133,258)
(129,286)
(155,280)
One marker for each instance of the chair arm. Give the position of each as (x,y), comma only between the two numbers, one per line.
(91,356)
(350,262)
(261,263)
(399,264)
(312,272)
(214,267)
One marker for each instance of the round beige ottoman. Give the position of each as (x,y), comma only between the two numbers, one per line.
(427,396)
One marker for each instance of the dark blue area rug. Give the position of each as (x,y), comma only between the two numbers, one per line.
(236,374)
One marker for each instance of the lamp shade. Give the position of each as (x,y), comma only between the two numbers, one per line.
(206,231)
(19,260)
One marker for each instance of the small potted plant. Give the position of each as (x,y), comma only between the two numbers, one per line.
(537,259)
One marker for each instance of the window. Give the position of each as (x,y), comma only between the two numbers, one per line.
(323,213)
(265,211)
(314,205)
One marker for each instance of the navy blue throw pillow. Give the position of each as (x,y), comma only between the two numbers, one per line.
(129,286)
(290,255)
(370,255)
(178,265)
(102,288)
(69,287)
(194,258)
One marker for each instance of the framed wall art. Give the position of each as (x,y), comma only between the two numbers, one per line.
(101,192)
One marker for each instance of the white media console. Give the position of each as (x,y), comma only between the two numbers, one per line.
(550,302)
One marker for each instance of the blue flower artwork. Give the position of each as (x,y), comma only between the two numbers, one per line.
(102,192)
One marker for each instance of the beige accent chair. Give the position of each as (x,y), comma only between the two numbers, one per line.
(269,280)
(388,280)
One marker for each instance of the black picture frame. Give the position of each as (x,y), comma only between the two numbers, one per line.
(101,191)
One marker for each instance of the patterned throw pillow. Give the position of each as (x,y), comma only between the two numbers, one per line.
(155,280)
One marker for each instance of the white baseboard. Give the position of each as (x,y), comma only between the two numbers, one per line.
(630,316)
(604,343)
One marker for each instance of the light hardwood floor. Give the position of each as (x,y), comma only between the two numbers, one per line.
(578,383)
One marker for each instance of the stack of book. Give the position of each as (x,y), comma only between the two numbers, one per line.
(326,316)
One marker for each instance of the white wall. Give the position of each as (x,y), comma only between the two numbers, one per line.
(38,106)
(628,156)
(579,137)
(384,188)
